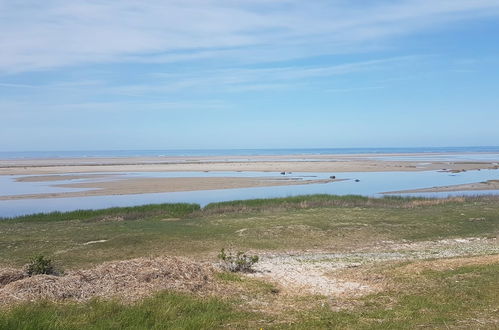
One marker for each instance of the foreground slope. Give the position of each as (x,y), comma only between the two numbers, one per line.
(326,261)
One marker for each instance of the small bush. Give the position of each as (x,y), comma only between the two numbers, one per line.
(41,265)
(239,262)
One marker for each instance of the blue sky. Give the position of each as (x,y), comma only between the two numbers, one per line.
(193,74)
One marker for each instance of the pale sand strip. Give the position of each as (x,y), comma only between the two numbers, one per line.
(48,178)
(160,185)
(488,185)
(328,166)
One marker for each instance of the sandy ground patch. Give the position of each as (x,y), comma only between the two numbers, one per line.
(318,273)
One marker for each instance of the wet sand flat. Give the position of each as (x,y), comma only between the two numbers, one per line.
(102,176)
(160,185)
(58,177)
(296,163)
(487,185)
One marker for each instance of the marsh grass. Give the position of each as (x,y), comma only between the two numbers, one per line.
(117,213)
(339,201)
(302,202)
(184,210)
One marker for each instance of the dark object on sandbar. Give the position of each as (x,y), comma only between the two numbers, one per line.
(332,177)
(357,180)
(283,173)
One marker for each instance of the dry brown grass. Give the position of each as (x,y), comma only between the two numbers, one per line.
(127,280)
(431,202)
(8,275)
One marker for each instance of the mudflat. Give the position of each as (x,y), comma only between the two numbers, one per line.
(159,185)
(487,185)
(103,176)
(297,163)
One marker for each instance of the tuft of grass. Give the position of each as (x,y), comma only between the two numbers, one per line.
(228,277)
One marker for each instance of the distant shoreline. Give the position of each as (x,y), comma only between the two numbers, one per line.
(276,163)
(10,155)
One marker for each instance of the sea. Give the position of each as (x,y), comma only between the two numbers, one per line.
(239,152)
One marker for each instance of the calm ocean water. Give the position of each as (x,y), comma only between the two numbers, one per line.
(238,152)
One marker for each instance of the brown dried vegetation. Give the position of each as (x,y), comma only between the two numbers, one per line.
(127,280)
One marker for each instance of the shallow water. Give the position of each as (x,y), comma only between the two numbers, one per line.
(9,186)
(370,184)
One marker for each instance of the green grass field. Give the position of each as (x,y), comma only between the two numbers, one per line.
(463,296)
(314,222)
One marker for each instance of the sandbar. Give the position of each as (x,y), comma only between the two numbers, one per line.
(288,163)
(103,175)
(487,185)
(57,177)
(161,185)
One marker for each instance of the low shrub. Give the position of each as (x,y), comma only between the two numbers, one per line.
(40,264)
(239,262)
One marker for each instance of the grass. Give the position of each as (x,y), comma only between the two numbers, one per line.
(311,222)
(123,213)
(182,210)
(452,296)
(311,201)
(464,297)
(162,311)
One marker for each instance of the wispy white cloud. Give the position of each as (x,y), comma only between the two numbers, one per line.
(19,110)
(11,85)
(54,85)
(246,79)
(354,89)
(48,34)
(231,80)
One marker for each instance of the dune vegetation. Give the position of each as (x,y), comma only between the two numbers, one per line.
(324,262)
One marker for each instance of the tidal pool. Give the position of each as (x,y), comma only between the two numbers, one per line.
(369,184)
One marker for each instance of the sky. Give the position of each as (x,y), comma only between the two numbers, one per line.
(215,74)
